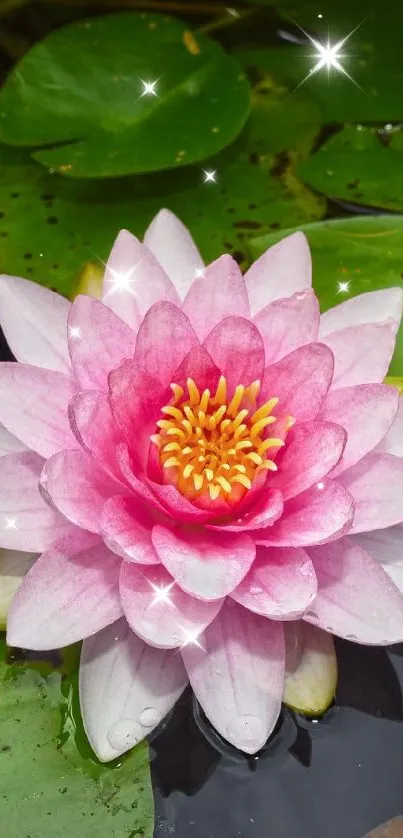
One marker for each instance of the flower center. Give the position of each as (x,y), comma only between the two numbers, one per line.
(216,444)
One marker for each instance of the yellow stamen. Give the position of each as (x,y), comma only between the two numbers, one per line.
(215,449)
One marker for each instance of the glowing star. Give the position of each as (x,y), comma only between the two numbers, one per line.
(210,176)
(122,280)
(11,523)
(162,594)
(199,273)
(343,287)
(329,56)
(74,332)
(191,638)
(149,88)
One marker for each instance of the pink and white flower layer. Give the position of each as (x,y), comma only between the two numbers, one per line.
(166,587)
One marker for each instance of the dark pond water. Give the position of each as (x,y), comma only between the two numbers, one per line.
(338,777)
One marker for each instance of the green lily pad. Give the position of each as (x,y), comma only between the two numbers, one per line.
(351,256)
(360,166)
(51,784)
(81,91)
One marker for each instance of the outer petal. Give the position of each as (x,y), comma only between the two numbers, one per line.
(366,412)
(310,668)
(126,526)
(158,610)
(136,400)
(26,521)
(362,354)
(376,484)
(65,598)
(281,583)
(392,442)
(134,280)
(312,450)
(94,427)
(205,565)
(237,674)
(356,598)
(372,307)
(9,444)
(33,405)
(287,324)
(171,243)
(300,381)
(126,689)
(77,487)
(221,292)
(34,321)
(284,269)
(313,517)
(164,339)
(386,546)
(13,567)
(237,348)
(98,342)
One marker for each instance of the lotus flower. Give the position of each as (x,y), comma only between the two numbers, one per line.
(211,471)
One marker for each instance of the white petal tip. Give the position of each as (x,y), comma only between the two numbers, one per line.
(247,733)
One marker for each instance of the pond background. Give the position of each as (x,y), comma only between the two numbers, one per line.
(84,153)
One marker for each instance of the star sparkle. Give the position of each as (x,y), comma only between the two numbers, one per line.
(122,280)
(191,638)
(210,176)
(11,523)
(74,332)
(329,56)
(162,594)
(199,273)
(149,88)
(343,287)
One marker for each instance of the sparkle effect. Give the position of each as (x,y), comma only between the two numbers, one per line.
(199,273)
(215,446)
(149,88)
(191,638)
(343,287)
(122,280)
(11,523)
(162,594)
(210,176)
(329,56)
(74,332)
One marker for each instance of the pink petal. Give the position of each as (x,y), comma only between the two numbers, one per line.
(263,513)
(158,610)
(205,565)
(237,674)
(130,472)
(236,346)
(9,444)
(366,411)
(33,405)
(287,324)
(281,583)
(300,381)
(64,598)
(134,280)
(34,321)
(219,293)
(171,243)
(376,484)
(198,365)
(126,689)
(181,509)
(317,515)
(311,451)
(284,269)
(362,354)
(136,400)
(77,487)
(356,599)
(386,547)
(126,526)
(98,342)
(26,521)
(95,429)
(372,307)
(392,442)
(164,339)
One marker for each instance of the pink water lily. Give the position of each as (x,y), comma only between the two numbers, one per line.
(209,469)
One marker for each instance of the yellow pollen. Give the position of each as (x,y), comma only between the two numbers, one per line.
(214,445)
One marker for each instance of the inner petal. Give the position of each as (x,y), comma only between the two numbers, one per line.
(216,444)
